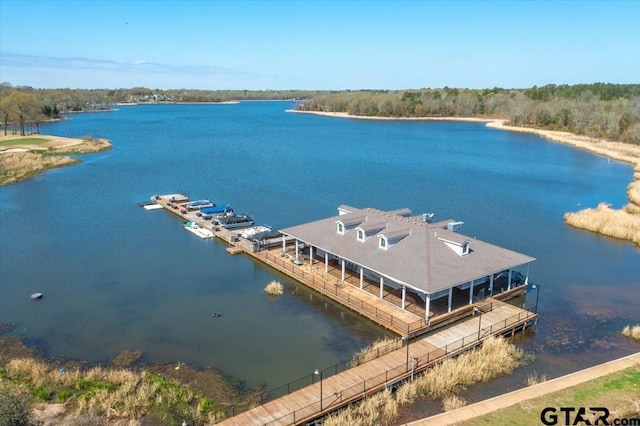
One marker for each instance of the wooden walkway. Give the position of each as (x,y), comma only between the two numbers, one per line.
(330,393)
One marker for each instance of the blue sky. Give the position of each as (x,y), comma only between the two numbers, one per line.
(317,44)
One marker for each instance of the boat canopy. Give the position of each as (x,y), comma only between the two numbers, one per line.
(216,209)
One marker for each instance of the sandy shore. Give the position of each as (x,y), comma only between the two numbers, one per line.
(363,117)
(614,150)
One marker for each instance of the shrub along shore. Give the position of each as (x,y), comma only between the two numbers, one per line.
(22,157)
(603,219)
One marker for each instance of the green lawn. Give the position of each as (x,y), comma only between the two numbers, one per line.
(24,141)
(618,392)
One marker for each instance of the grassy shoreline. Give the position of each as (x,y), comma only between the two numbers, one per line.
(25,157)
(618,392)
(55,391)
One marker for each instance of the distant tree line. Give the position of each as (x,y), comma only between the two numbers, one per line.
(23,108)
(599,110)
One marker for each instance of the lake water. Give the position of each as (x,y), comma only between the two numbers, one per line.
(116,276)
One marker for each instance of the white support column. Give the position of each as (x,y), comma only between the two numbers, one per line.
(450,298)
(509,285)
(284,244)
(344,265)
(471,293)
(491,285)
(310,256)
(296,249)
(427,306)
(326,262)
(361,277)
(404,296)
(381,287)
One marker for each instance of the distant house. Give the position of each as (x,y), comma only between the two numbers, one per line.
(410,254)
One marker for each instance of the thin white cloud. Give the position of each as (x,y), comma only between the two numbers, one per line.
(21,61)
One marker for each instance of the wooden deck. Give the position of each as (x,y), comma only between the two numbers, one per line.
(341,389)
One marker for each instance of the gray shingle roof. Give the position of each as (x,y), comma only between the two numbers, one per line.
(421,259)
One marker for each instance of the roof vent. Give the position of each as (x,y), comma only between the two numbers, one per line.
(454,226)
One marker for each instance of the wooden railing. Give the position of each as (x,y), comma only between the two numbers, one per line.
(323,286)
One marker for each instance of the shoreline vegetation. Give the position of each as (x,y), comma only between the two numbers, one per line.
(56,391)
(618,223)
(22,157)
(70,392)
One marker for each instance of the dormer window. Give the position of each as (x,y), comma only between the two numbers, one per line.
(360,235)
(340,228)
(382,243)
(465,247)
(461,248)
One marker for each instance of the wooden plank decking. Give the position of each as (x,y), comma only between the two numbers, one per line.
(344,388)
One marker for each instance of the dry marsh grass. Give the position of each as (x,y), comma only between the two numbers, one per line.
(378,409)
(633,193)
(17,166)
(88,145)
(274,288)
(534,378)
(374,350)
(111,393)
(496,357)
(607,221)
(453,402)
(632,331)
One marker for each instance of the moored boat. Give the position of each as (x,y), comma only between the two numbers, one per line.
(215,211)
(198,230)
(233,221)
(36,296)
(198,205)
(253,231)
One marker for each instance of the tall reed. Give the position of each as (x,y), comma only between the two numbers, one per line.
(607,221)
(453,402)
(374,350)
(631,331)
(496,357)
(274,288)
